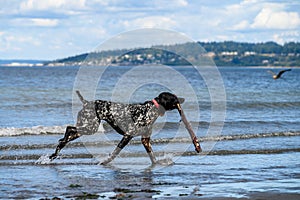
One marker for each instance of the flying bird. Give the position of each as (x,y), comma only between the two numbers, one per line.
(277,76)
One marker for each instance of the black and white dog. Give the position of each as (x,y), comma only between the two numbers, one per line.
(129,120)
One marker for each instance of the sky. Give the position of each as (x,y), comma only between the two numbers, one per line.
(52,29)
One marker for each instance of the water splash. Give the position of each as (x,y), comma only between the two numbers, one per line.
(166,160)
(43,160)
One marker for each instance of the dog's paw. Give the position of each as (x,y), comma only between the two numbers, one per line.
(53,156)
(104,162)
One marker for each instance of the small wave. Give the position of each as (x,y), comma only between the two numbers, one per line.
(89,159)
(37,130)
(262,105)
(48,130)
(36,106)
(104,127)
(250,136)
(153,141)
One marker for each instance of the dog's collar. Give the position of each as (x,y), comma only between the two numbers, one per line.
(155,103)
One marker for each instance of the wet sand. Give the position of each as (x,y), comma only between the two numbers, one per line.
(144,194)
(271,176)
(84,182)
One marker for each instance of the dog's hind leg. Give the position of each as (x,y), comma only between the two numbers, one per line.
(125,140)
(70,135)
(87,123)
(147,145)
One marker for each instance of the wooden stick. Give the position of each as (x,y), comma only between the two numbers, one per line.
(190,130)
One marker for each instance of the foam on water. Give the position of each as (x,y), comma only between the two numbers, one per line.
(37,130)
(43,160)
(166,160)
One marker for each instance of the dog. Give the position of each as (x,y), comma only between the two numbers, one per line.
(129,120)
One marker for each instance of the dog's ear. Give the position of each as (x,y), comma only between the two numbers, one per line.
(168,100)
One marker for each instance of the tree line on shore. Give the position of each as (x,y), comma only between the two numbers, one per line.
(226,53)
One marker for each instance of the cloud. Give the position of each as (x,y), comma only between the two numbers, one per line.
(272,19)
(51,4)
(282,37)
(16,43)
(80,25)
(241,25)
(146,37)
(250,17)
(37,22)
(150,22)
(172,4)
(44,22)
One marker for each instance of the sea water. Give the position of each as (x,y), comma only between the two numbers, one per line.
(39,97)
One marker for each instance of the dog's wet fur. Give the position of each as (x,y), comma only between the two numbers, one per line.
(129,120)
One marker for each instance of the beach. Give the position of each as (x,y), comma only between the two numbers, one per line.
(255,156)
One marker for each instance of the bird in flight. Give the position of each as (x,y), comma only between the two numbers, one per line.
(277,76)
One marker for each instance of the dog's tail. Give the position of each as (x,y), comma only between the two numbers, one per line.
(81,97)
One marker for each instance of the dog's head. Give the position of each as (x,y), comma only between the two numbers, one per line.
(169,101)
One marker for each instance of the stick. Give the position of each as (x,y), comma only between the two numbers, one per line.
(190,130)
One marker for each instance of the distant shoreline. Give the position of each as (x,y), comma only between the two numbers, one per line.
(253,67)
(22,65)
(223,54)
(43,65)
(226,53)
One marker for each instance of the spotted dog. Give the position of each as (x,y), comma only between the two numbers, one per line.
(129,120)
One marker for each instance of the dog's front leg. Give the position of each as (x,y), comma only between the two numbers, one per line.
(125,140)
(147,145)
(71,134)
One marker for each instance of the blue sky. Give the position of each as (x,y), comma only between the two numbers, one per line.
(50,29)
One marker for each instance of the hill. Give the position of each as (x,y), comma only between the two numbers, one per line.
(226,53)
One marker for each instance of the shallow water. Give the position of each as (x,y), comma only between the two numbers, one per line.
(209,176)
(234,168)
